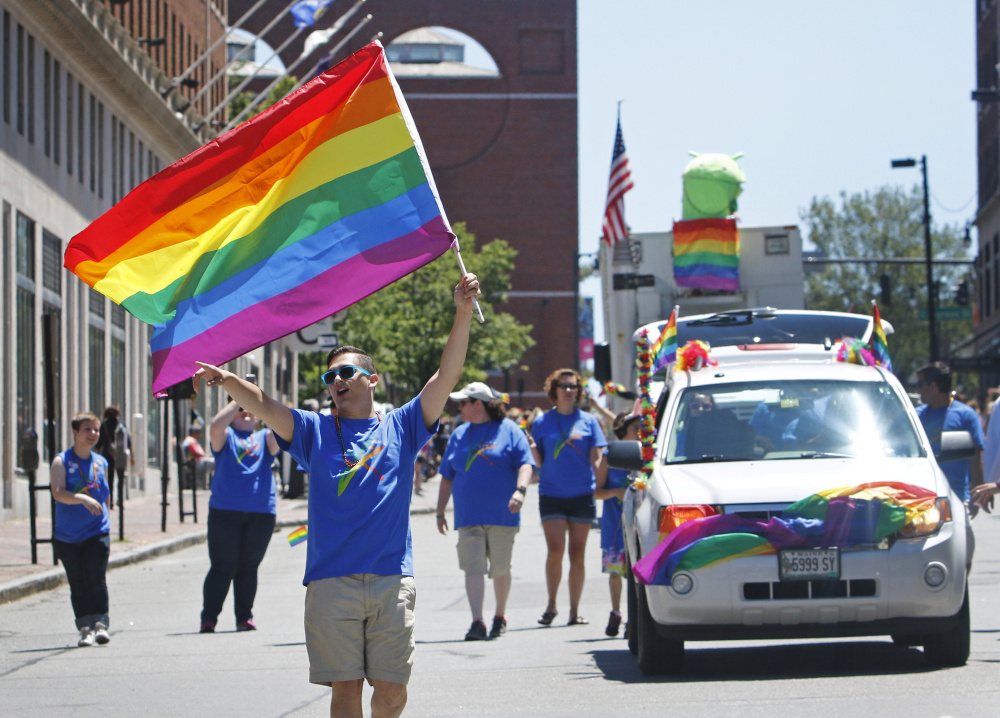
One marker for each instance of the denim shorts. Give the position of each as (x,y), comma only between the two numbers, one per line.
(575,510)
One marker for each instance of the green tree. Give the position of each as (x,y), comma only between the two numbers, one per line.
(887,223)
(277,93)
(404,326)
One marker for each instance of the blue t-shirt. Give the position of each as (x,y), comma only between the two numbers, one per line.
(359,515)
(482,460)
(243,479)
(612,533)
(955,417)
(74,523)
(564,442)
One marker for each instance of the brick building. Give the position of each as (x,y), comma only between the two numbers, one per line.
(503,148)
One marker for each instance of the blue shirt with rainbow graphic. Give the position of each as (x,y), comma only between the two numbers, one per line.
(74,523)
(564,442)
(243,479)
(359,491)
(482,460)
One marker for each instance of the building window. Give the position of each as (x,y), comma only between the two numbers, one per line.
(25,319)
(117,315)
(51,262)
(52,324)
(56,112)
(47,104)
(69,124)
(115,194)
(20,79)
(79,130)
(25,247)
(30,87)
(96,353)
(6,67)
(93,143)
(100,150)
(96,303)
(118,373)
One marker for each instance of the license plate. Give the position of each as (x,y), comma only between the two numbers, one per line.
(809,564)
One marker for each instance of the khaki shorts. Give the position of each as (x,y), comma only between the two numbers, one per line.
(479,545)
(360,626)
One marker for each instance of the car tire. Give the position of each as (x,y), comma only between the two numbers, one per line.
(951,648)
(631,602)
(656,656)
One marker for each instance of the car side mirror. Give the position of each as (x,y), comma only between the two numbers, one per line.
(625,455)
(955,446)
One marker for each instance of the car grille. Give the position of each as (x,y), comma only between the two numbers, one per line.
(786,590)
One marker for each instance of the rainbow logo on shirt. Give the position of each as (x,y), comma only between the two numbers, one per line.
(568,442)
(364,461)
(473,455)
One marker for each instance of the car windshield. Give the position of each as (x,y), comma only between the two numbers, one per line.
(790,420)
(761,327)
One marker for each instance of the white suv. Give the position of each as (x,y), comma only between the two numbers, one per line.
(775,422)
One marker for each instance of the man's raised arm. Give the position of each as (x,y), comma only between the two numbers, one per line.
(276,415)
(435,393)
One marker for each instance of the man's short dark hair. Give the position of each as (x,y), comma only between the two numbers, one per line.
(364,360)
(936,373)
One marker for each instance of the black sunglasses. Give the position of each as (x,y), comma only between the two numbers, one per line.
(569,387)
(345,372)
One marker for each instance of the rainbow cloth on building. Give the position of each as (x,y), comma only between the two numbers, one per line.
(707,254)
(306,209)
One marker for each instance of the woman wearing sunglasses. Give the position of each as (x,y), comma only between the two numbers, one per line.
(487,465)
(241,513)
(568,445)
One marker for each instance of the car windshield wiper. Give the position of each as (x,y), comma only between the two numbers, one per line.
(706,458)
(740,316)
(825,455)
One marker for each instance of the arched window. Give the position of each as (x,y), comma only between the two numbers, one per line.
(436,52)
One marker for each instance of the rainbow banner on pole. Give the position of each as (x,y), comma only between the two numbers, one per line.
(664,349)
(879,345)
(304,210)
(707,254)
(298,536)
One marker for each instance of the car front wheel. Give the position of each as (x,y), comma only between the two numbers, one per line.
(952,647)
(657,656)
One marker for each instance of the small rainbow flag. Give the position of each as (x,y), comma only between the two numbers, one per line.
(707,254)
(313,205)
(664,349)
(879,345)
(298,536)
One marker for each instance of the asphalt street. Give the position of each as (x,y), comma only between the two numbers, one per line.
(157,664)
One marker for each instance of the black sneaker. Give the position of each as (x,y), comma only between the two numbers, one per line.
(477,632)
(499,627)
(614,621)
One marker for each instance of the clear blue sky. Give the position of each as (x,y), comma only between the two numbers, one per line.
(819,96)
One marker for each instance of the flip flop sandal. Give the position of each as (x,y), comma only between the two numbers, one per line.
(547,617)
(578,621)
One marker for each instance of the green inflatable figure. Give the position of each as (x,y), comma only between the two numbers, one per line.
(712,182)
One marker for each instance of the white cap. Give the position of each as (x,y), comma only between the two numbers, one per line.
(475,390)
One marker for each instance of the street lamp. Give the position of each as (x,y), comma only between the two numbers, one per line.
(928,260)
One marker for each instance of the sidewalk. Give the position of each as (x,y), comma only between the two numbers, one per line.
(143,537)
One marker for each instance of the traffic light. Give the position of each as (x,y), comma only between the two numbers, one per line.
(962,294)
(883,283)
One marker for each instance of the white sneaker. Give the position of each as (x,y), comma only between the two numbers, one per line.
(101,634)
(86,638)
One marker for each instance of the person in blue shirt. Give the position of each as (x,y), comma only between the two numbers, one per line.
(360,593)
(487,466)
(568,448)
(241,513)
(941,412)
(79,485)
(611,486)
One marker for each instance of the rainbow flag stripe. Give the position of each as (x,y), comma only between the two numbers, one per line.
(309,207)
(664,349)
(298,536)
(707,254)
(879,345)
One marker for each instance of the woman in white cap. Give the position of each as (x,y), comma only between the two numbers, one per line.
(487,465)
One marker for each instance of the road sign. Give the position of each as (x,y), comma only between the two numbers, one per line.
(328,340)
(632,281)
(947,314)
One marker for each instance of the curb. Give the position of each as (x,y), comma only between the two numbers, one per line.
(54,578)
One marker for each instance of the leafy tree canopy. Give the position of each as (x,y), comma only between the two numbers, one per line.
(405,325)
(887,223)
(277,93)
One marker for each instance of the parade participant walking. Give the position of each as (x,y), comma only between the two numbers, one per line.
(195,454)
(611,485)
(79,484)
(115,445)
(359,566)
(487,466)
(241,513)
(568,447)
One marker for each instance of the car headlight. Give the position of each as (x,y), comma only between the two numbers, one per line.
(929,521)
(670,517)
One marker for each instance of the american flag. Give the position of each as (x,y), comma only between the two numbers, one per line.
(619,183)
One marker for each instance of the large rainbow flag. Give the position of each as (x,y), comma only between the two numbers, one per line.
(306,209)
(707,254)
(848,516)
